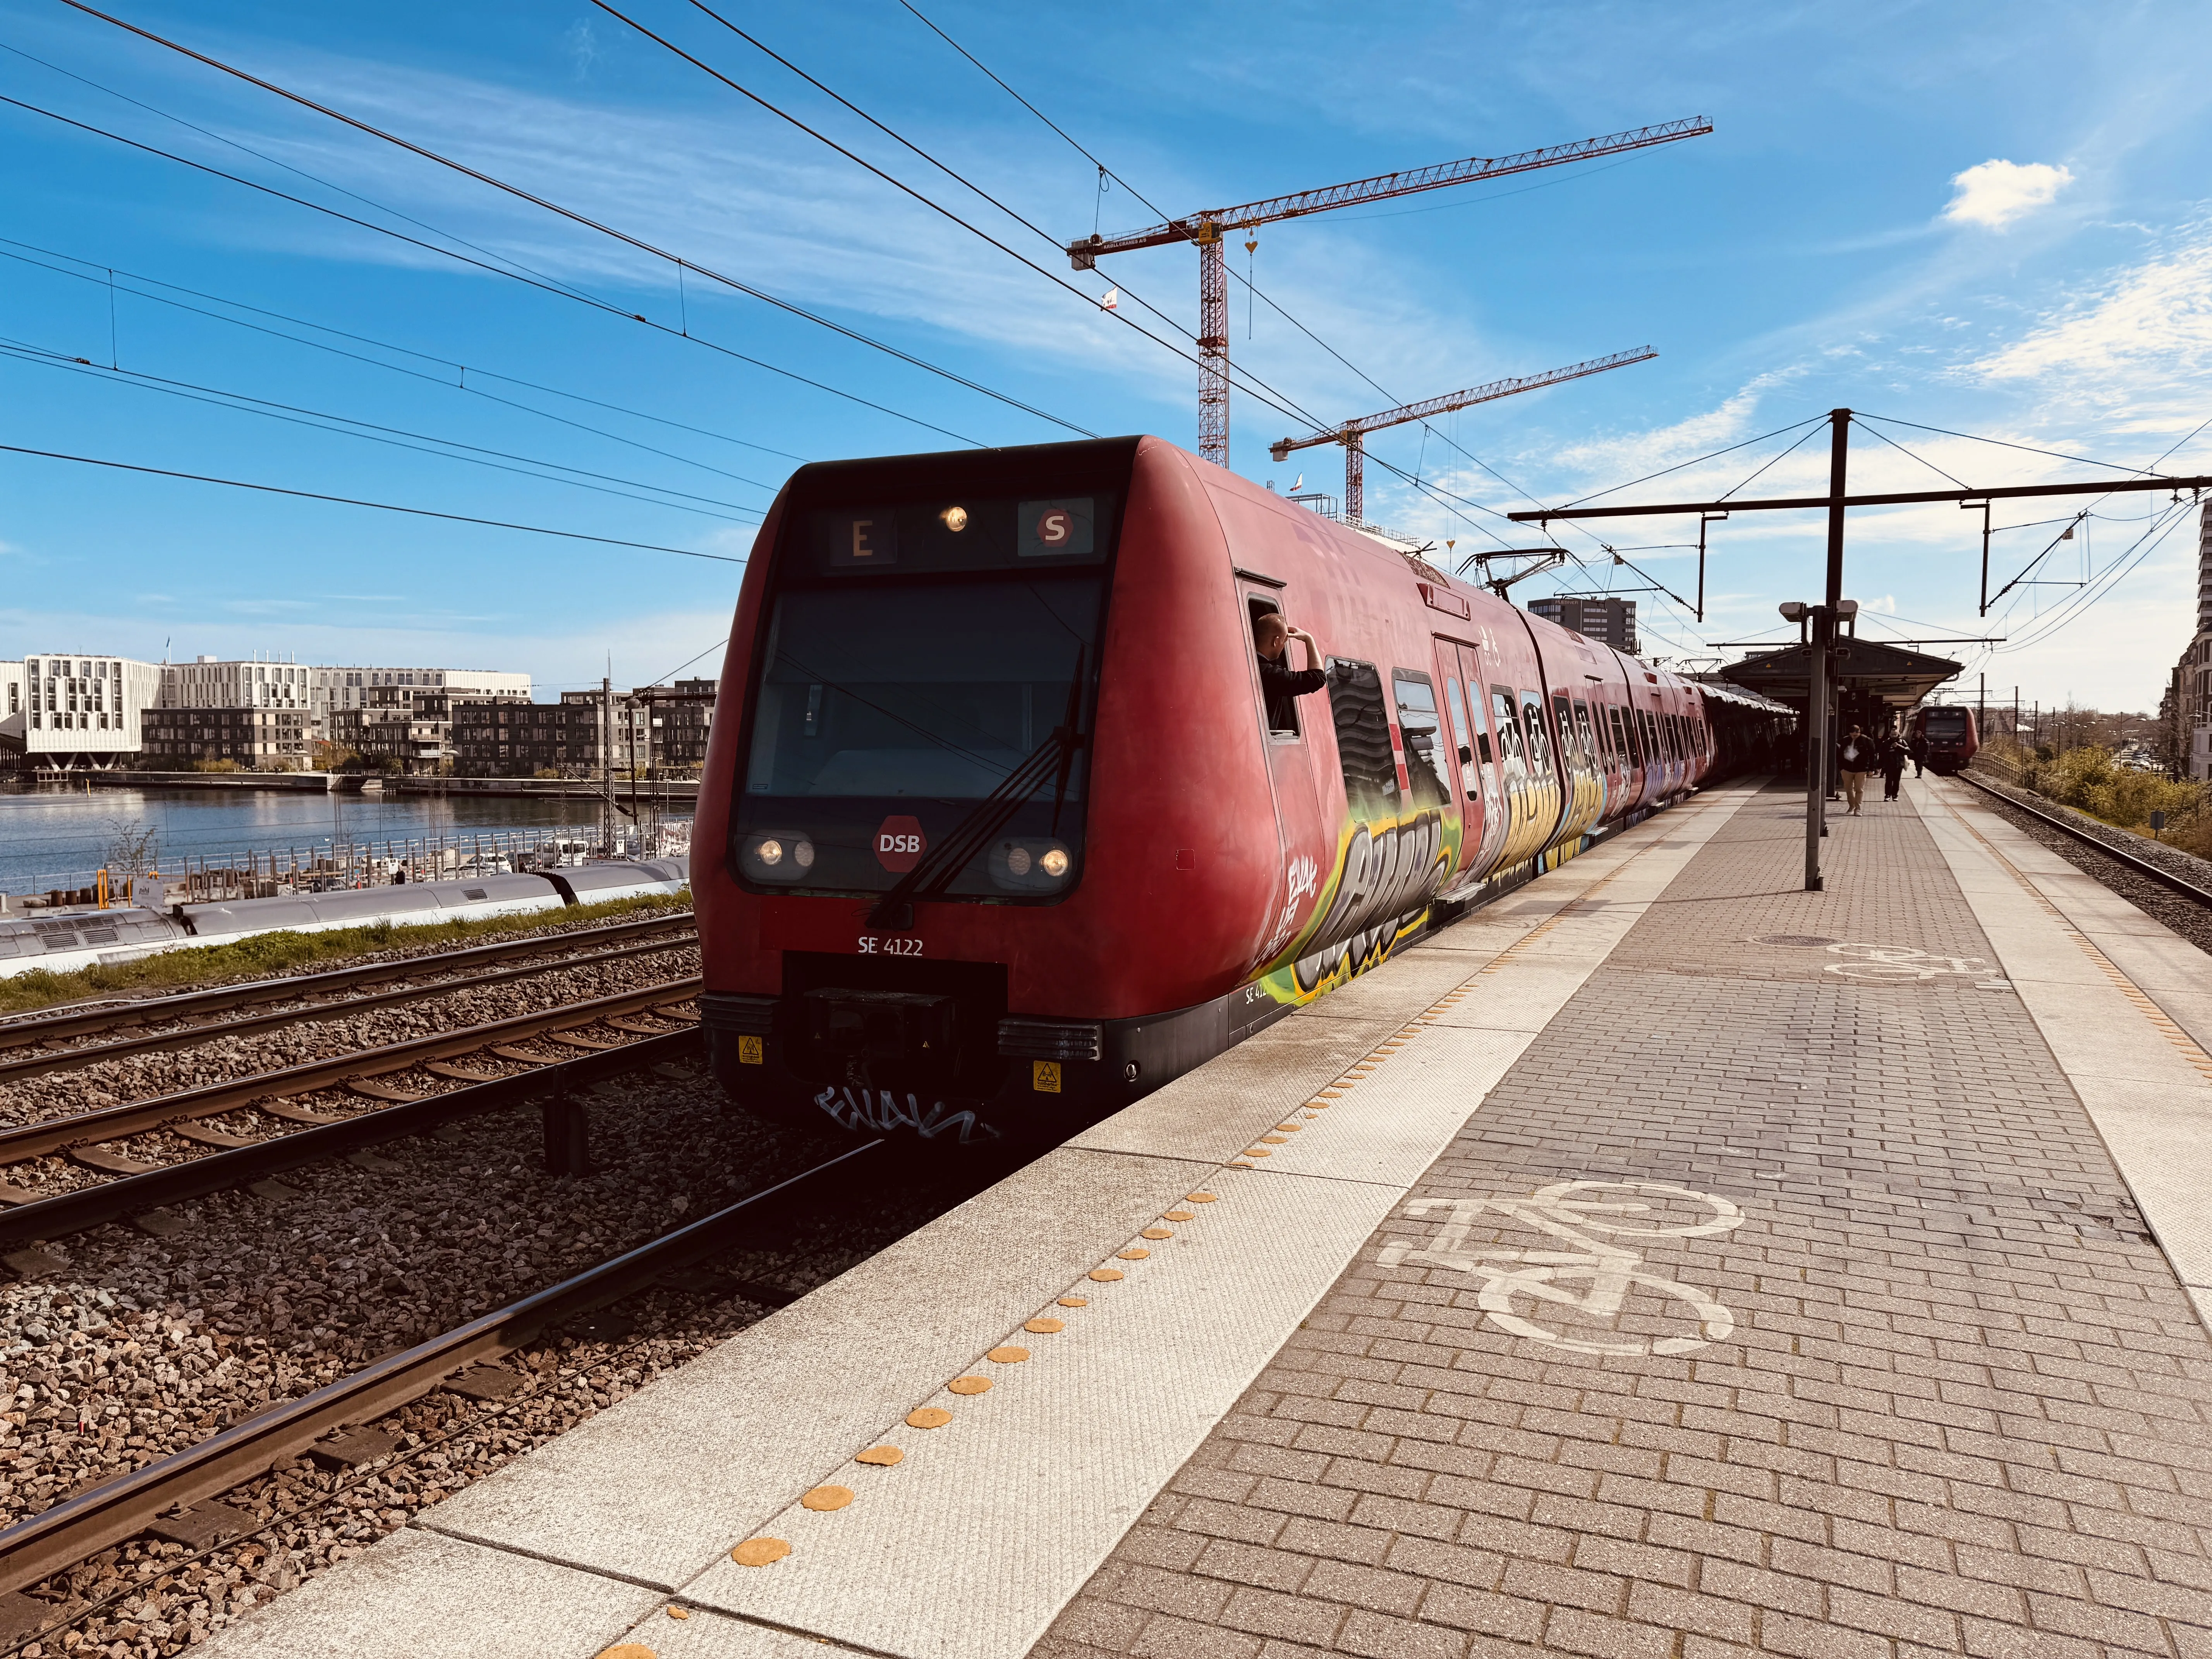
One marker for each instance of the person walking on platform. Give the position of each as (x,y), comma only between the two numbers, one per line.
(1892,766)
(1918,749)
(1854,758)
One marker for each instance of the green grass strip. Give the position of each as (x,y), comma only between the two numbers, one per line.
(265,956)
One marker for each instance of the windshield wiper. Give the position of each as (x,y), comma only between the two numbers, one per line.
(1053,758)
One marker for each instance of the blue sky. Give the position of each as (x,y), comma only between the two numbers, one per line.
(1987,220)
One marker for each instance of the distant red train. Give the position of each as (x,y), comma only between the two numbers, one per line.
(1950,734)
(1006,838)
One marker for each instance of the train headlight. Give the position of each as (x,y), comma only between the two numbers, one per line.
(1030,864)
(956,518)
(782,856)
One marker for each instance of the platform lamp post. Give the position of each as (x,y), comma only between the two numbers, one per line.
(1819,622)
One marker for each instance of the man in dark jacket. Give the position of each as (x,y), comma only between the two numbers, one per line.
(1279,683)
(1854,758)
(1892,766)
(1918,749)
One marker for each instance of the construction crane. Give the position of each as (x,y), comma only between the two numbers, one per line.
(1352,434)
(1206,229)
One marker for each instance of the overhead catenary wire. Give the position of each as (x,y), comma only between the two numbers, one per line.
(343,425)
(595,304)
(575,216)
(1254,387)
(353,501)
(462,370)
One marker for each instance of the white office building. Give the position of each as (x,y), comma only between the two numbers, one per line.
(72,711)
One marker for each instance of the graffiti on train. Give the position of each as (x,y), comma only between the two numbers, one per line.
(1386,875)
(851,1107)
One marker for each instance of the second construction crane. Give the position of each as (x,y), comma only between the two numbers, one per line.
(1205,230)
(1352,434)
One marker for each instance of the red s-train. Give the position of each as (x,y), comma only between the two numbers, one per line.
(995,836)
(1949,732)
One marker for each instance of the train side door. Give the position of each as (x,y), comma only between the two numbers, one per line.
(1474,771)
(1306,850)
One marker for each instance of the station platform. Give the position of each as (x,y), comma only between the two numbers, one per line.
(1665,1261)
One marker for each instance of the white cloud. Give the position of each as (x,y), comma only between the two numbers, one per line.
(1995,193)
(2145,334)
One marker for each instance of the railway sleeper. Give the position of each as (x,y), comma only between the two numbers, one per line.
(143,1187)
(59,1538)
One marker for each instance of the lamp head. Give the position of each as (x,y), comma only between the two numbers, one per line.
(1792,610)
(1847,607)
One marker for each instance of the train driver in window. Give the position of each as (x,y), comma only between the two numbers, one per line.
(1280,683)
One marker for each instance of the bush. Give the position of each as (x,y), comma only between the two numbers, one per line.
(265,956)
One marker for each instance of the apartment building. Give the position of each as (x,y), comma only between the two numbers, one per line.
(653,729)
(1609,622)
(73,711)
(322,691)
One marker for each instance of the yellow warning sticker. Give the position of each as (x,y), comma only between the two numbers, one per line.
(1044,1076)
(751,1051)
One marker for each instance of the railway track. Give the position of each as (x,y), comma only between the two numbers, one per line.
(331,1422)
(2141,867)
(648,1025)
(44,1044)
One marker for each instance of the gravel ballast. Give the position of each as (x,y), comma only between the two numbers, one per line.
(136,1347)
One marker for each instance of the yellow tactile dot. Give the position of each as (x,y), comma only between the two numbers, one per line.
(970,1385)
(1317,1105)
(1045,1327)
(881,1457)
(1157,1232)
(1179,1215)
(629,1650)
(1274,1140)
(679,1612)
(1199,1198)
(1290,1128)
(759,1552)
(1331,1094)
(1008,1355)
(1075,1302)
(1257,1151)
(1135,1253)
(826,1498)
(1235,1166)
(928,1417)
(1105,1275)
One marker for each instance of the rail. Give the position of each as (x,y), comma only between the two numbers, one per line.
(2141,867)
(72,1531)
(186,1005)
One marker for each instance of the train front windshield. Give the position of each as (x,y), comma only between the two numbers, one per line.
(926,682)
(1947,724)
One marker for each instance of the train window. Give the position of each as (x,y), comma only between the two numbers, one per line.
(1363,736)
(1288,713)
(1562,722)
(921,700)
(1583,731)
(1420,727)
(1540,740)
(1510,747)
(1459,734)
(1481,722)
(1619,734)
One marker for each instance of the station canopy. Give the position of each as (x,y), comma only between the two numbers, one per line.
(1865,668)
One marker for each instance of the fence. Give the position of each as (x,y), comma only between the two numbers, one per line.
(265,872)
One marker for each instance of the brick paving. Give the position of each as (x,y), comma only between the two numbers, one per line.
(1965,1407)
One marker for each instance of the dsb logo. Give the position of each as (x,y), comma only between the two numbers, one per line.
(900,844)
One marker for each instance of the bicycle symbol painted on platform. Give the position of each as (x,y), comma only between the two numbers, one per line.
(1592,1216)
(1894,963)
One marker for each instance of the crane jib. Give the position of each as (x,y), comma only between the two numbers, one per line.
(1206,227)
